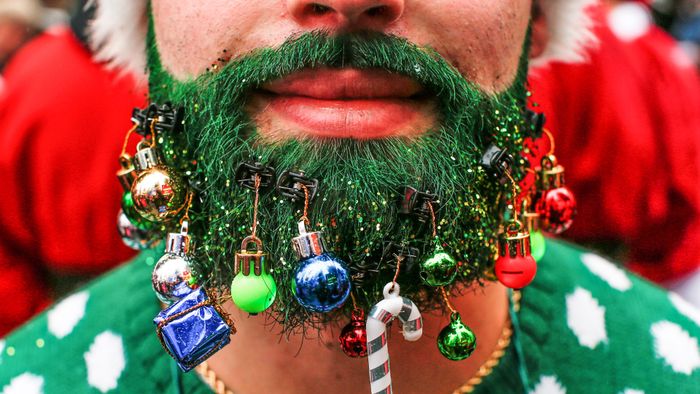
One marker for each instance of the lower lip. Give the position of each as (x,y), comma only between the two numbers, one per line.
(361,119)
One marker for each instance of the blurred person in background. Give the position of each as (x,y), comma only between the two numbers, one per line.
(62,120)
(417,102)
(627,126)
(19,21)
(687,28)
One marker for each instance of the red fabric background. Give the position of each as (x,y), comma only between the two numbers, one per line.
(62,122)
(627,128)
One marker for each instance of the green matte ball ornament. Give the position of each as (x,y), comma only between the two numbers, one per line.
(538,245)
(253,288)
(439,268)
(456,341)
(253,293)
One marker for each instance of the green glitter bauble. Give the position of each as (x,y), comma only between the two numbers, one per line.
(252,293)
(439,269)
(134,217)
(538,245)
(456,341)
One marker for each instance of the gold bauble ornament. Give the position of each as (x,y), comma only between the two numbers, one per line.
(159,193)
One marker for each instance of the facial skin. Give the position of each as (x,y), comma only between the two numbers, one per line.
(483,40)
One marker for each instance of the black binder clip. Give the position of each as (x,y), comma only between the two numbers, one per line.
(169,118)
(393,252)
(415,204)
(496,161)
(289,184)
(535,121)
(247,171)
(140,117)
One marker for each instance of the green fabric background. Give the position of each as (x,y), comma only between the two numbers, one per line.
(122,302)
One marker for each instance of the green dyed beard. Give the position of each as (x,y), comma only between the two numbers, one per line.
(360,187)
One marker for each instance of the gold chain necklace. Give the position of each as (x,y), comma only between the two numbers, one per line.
(219,387)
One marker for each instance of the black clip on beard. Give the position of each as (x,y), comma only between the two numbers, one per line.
(496,161)
(246,172)
(294,185)
(416,203)
(169,119)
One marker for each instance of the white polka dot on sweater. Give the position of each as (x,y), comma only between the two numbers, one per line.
(685,308)
(676,347)
(25,383)
(2,347)
(607,271)
(105,361)
(548,385)
(63,317)
(631,391)
(586,318)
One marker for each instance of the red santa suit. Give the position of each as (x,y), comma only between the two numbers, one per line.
(627,128)
(62,121)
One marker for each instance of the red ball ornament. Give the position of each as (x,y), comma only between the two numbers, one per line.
(557,210)
(557,204)
(515,267)
(353,338)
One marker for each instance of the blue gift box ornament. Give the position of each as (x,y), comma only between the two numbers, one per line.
(193,329)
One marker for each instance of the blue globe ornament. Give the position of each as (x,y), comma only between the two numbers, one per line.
(321,282)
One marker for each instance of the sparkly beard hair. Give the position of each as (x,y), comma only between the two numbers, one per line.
(361,182)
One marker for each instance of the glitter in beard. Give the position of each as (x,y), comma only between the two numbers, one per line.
(361,182)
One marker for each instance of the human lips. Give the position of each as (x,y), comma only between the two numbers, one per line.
(343,103)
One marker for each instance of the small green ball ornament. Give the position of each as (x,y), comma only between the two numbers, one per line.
(456,341)
(253,293)
(253,288)
(538,245)
(134,217)
(439,269)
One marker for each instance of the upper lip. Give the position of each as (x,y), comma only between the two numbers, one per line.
(345,84)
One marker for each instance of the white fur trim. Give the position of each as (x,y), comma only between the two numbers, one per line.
(118,33)
(570,31)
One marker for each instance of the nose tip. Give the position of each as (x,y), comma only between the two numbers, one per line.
(346,14)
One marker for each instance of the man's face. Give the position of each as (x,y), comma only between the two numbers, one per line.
(368,97)
(482,39)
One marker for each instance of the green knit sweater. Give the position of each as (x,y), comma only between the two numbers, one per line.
(586,326)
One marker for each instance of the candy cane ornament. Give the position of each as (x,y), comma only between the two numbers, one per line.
(383,312)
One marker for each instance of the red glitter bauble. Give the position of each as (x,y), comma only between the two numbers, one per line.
(353,338)
(516,272)
(557,208)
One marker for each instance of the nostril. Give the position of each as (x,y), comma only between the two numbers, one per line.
(377,11)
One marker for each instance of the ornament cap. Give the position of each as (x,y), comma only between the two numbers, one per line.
(146,157)
(552,173)
(245,259)
(127,174)
(514,241)
(179,243)
(308,245)
(530,217)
